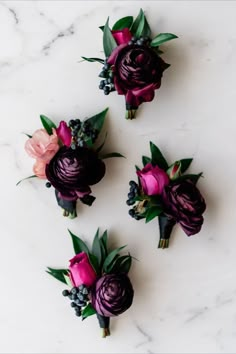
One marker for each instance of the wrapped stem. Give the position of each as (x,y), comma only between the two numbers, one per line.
(104,323)
(130,111)
(166,224)
(68,206)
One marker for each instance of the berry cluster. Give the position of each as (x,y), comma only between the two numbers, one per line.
(106,85)
(81,131)
(78,297)
(140,41)
(133,192)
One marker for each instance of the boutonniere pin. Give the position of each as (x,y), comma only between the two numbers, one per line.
(132,66)
(66,156)
(97,279)
(164,191)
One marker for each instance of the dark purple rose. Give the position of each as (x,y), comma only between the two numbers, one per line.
(137,73)
(112,295)
(184,202)
(71,172)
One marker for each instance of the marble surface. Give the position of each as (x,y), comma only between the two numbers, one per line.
(185,297)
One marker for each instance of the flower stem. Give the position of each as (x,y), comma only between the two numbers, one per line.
(104,325)
(130,113)
(166,225)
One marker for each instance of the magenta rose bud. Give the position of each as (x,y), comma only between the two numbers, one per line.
(81,271)
(71,172)
(183,202)
(153,179)
(112,294)
(122,36)
(64,133)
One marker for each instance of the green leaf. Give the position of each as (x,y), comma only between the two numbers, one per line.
(145,160)
(110,258)
(109,43)
(157,157)
(103,239)
(97,121)
(137,168)
(93,60)
(94,262)
(185,163)
(47,124)
(101,28)
(29,136)
(111,154)
(24,179)
(192,177)
(68,281)
(146,29)
(161,38)
(152,213)
(102,144)
(125,22)
(96,248)
(139,19)
(88,311)
(78,244)
(121,265)
(58,274)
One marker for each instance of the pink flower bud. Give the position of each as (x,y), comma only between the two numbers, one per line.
(64,133)
(174,171)
(153,179)
(81,271)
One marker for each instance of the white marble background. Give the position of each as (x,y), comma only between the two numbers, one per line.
(185,297)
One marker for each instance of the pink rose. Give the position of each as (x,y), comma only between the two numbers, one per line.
(64,133)
(153,179)
(81,271)
(122,36)
(39,169)
(42,146)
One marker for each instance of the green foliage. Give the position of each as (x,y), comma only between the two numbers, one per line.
(185,163)
(140,26)
(88,311)
(111,154)
(97,121)
(157,157)
(78,244)
(125,22)
(91,60)
(161,38)
(109,43)
(146,160)
(152,212)
(59,274)
(24,179)
(47,124)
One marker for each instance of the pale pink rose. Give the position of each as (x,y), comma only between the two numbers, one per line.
(39,169)
(42,146)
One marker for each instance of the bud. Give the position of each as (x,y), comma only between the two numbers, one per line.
(174,171)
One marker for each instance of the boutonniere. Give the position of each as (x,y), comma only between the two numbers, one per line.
(97,279)
(166,192)
(67,157)
(132,65)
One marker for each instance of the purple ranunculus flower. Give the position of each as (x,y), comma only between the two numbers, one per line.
(183,201)
(71,172)
(137,73)
(112,295)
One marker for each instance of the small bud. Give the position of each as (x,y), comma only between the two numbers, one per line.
(174,171)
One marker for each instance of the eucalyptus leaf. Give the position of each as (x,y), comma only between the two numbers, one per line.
(58,274)
(157,157)
(185,163)
(78,244)
(101,61)
(47,124)
(111,257)
(146,160)
(152,213)
(97,121)
(109,43)
(161,38)
(125,22)
(88,311)
(111,154)
(24,179)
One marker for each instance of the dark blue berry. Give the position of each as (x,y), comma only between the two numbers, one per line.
(73,297)
(106,66)
(71,123)
(70,296)
(102,74)
(81,287)
(130,202)
(137,217)
(78,313)
(85,291)
(131,195)
(73,304)
(74,290)
(102,84)
(131,212)
(133,39)
(65,293)
(132,183)
(139,42)
(48,184)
